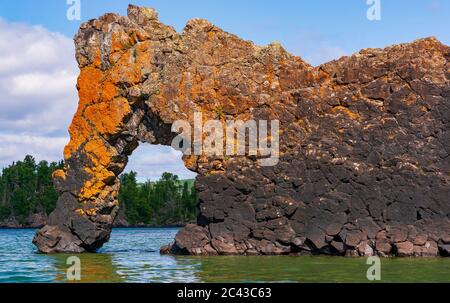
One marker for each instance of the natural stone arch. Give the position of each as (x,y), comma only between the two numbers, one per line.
(363,141)
(134,83)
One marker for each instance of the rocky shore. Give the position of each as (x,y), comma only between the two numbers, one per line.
(39,220)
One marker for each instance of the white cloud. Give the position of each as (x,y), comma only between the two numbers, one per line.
(38,73)
(324,53)
(315,48)
(16,147)
(27,47)
(151,161)
(42,84)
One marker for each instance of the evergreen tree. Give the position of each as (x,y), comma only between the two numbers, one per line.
(27,188)
(166,201)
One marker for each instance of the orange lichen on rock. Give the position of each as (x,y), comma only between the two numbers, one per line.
(88,90)
(89,83)
(98,152)
(80,212)
(61,174)
(107,117)
(346,111)
(100,158)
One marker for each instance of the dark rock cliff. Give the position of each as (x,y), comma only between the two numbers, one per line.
(364,141)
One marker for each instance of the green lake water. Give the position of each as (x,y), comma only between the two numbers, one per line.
(132,255)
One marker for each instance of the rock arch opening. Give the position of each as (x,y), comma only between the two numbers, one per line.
(151,161)
(364,151)
(156,189)
(104,134)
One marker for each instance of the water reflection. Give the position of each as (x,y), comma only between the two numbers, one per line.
(149,267)
(96,268)
(137,267)
(132,255)
(279,269)
(136,256)
(316,269)
(134,265)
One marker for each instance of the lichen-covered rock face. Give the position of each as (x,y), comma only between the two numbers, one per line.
(364,141)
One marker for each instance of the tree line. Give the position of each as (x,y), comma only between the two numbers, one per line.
(26,188)
(167,201)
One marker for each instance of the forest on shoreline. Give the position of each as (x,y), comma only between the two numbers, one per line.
(27,197)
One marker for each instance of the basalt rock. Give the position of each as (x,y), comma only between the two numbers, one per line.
(10,223)
(36,220)
(364,164)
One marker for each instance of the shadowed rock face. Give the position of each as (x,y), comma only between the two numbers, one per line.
(364,141)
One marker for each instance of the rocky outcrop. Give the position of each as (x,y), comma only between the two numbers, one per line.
(10,223)
(36,220)
(364,141)
(121,219)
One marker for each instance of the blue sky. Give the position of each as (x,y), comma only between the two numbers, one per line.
(296,24)
(38,70)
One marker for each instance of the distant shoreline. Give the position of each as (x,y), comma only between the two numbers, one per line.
(151,226)
(39,221)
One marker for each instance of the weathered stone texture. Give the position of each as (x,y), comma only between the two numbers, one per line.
(365,141)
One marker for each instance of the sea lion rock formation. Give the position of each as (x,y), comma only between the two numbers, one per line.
(364,162)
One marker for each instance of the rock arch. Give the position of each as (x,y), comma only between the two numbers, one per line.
(364,142)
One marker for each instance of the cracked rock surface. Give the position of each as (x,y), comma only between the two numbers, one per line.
(364,163)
